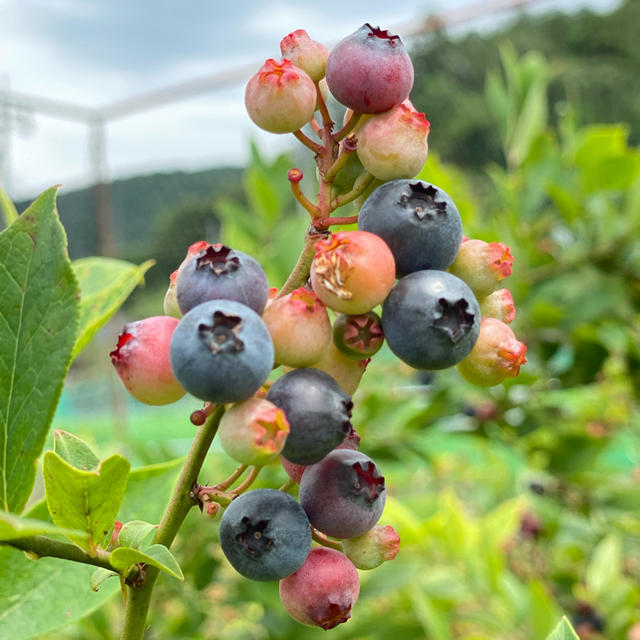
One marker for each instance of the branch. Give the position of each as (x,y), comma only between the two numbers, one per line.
(48,547)
(300,273)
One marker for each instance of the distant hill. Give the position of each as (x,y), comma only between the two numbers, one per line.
(137,204)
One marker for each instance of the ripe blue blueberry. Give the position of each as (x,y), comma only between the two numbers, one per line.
(218,272)
(318,412)
(265,534)
(418,221)
(343,494)
(431,319)
(221,351)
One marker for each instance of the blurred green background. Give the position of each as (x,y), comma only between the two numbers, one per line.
(515,503)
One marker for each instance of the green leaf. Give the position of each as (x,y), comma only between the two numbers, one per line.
(606,566)
(46,595)
(105,284)
(564,631)
(7,208)
(38,323)
(134,533)
(99,576)
(157,555)
(13,526)
(74,451)
(85,500)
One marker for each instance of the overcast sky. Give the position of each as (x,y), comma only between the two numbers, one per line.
(94,52)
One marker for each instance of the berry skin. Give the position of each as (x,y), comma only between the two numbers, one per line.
(299,326)
(322,592)
(265,534)
(170,303)
(431,319)
(141,359)
(253,431)
(305,53)
(370,71)
(499,305)
(418,221)
(353,271)
(358,336)
(497,355)
(394,144)
(482,265)
(221,351)
(345,370)
(218,272)
(372,548)
(344,494)
(280,98)
(318,412)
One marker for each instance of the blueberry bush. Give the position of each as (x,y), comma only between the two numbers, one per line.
(278,387)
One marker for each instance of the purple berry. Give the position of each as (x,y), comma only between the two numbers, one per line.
(265,534)
(221,351)
(343,494)
(370,71)
(418,221)
(218,272)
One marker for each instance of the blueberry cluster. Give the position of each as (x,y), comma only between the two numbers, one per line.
(406,276)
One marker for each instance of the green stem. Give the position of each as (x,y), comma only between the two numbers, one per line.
(138,598)
(300,272)
(47,547)
(308,142)
(320,538)
(359,187)
(348,128)
(248,481)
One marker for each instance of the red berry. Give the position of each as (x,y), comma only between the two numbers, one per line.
(353,271)
(141,359)
(496,355)
(370,71)
(322,591)
(281,97)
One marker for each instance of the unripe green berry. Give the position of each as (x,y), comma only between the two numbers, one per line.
(309,55)
(372,548)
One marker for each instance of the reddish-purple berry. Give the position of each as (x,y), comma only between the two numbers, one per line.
(322,592)
(141,359)
(370,71)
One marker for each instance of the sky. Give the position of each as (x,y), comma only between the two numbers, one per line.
(95,52)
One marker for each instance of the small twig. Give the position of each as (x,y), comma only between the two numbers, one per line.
(316,126)
(347,148)
(348,127)
(325,223)
(359,187)
(308,142)
(253,474)
(327,122)
(289,484)
(294,176)
(300,272)
(227,482)
(320,538)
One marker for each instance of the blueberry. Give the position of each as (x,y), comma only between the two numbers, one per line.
(343,494)
(418,221)
(217,272)
(265,534)
(318,412)
(431,319)
(221,351)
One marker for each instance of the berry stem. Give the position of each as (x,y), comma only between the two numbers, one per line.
(324,223)
(359,187)
(227,482)
(316,126)
(327,122)
(308,142)
(348,127)
(289,484)
(295,176)
(300,273)
(139,598)
(345,151)
(248,481)
(320,538)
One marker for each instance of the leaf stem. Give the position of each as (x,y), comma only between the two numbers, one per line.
(48,547)
(138,598)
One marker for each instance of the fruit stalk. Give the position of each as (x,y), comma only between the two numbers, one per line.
(180,503)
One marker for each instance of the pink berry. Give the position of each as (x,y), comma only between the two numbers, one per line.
(370,71)
(309,55)
(482,265)
(497,355)
(299,326)
(322,591)
(353,271)
(253,431)
(372,548)
(141,359)
(499,305)
(280,98)
(394,144)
